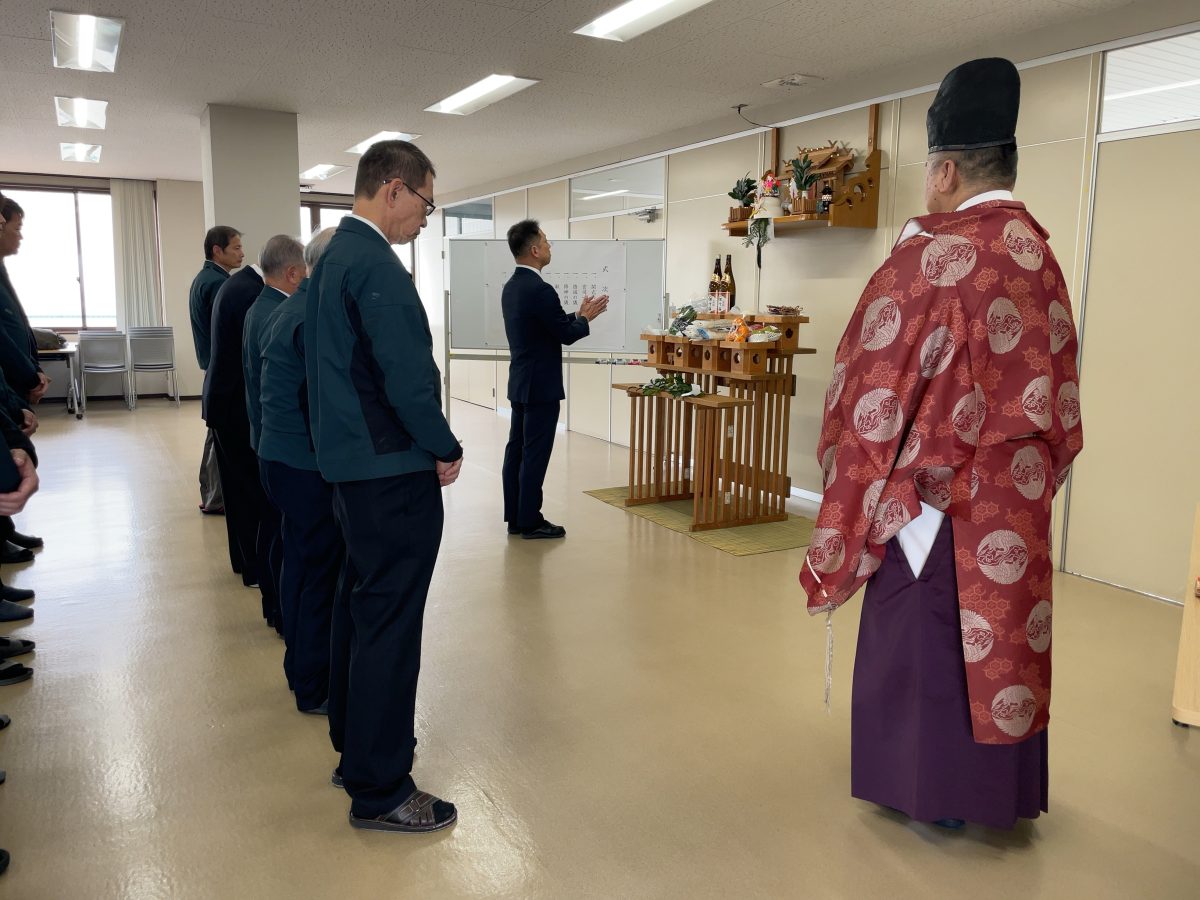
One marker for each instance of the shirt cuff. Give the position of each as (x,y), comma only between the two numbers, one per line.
(454,455)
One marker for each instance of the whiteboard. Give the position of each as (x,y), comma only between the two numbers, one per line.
(630,272)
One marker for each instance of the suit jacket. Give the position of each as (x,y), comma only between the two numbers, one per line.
(18,346)
(537,327)
(224,398)
(200,303)
(374,391)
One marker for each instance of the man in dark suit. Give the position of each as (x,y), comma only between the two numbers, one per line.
(223,405)
(222,254)
(537,327)
(381,440)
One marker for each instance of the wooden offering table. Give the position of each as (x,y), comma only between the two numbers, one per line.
(725,449)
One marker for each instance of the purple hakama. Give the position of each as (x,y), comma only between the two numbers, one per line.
(911,742)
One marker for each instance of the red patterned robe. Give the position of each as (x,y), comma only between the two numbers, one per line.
(956,384)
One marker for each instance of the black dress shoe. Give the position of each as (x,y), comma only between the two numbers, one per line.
(336,779)
(14,554)
(14,673)
(11,612)
(322,710)
(513,529)
(419,814)
(28,541)
(16,595)
(545,531)
(5,721)
(3,861)
(11,646)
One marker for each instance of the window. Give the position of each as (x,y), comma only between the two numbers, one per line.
(64,269)
(315,215)
(1152,84)
(616,190)
(469,219)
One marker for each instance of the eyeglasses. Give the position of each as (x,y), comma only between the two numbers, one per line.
(430,206)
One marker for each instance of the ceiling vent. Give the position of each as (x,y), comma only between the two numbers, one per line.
(797,80)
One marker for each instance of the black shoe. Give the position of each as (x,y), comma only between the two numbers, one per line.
(16,595)
(5,721)
(11,646)
(14,554)
(420,813)
(545,531)
(3,861)
(322,710)
(15,673)
(28,541)
(10,612)
(513,529)
(336,779)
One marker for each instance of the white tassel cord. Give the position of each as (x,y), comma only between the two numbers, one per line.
(828,661)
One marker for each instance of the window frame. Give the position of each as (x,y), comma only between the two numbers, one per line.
(75,191)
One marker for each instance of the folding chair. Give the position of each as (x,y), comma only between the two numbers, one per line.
(103,353)
(152,349)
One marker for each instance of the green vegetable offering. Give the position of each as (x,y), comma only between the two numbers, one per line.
(672,384)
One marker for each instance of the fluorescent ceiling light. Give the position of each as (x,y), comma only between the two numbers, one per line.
(636,17)
(89,153)
(78,112)
(1157,89)
(323,171)
(89,43)
(480,94)
(606,194)
(362,146)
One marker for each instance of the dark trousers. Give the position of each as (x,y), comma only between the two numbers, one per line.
(238,467)
(270,554)
(313,556)
(393,529)
(530,443)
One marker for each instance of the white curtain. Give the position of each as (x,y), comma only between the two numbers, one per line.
(135,247)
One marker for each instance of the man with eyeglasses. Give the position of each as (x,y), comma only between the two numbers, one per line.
(382,441)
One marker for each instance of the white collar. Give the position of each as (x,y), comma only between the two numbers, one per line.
(536,272)
(377,229)
(985,197)
(912,229)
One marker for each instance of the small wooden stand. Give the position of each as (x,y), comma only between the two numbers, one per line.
(727,452)
(1185,705)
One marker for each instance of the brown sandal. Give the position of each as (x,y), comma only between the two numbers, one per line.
(419,814)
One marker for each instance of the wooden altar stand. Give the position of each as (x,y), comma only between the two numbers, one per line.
(726,450)
(1185,704)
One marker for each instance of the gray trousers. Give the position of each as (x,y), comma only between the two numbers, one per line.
(210,478)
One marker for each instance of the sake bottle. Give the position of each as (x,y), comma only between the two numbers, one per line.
(728,285)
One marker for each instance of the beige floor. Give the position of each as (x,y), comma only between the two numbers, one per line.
(625,714)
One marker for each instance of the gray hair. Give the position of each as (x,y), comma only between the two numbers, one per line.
(278,253)
(316,246)
(994,168)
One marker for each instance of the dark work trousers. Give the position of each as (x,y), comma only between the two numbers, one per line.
(7,529)
(270,554)
(240,485)
(530,442)
(313,556)
(393,529)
